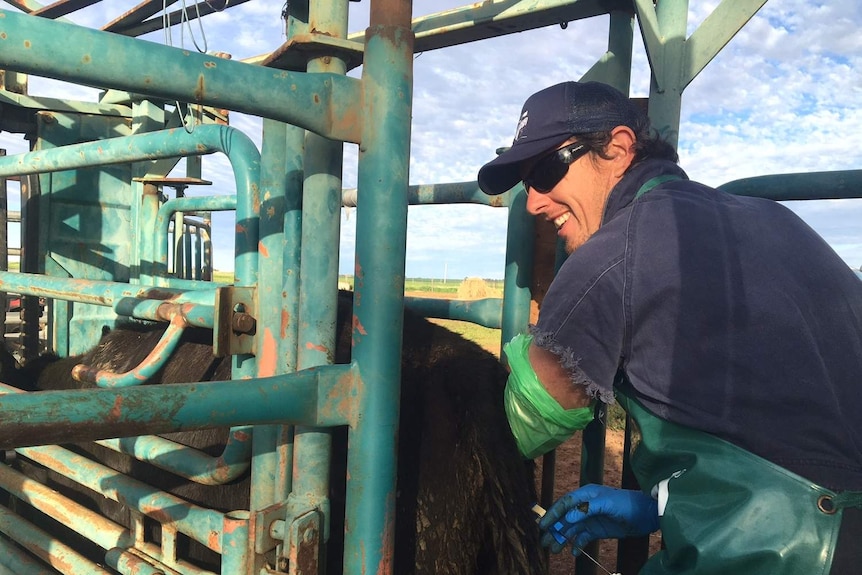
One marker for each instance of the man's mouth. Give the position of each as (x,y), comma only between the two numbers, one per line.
(559,221)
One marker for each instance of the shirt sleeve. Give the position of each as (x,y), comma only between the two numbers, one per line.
(582,321)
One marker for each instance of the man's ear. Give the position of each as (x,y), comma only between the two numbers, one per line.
(621,149)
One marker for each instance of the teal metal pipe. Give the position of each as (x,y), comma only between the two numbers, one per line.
(238,147)
(317,102)
(187,462)
(196,522)
(157,249)
(520,242)
(270,302)
(46,547)
(449,193)
(837,185)
(318,304)
(317,396)
(148,367)
(129,563)
(96,292)
(194,314)
(289,330)
(240,150)
(234,542)
(381,229)
(485,312)
(15,561)
(73,515)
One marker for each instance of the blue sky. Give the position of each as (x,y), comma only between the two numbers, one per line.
(783,96)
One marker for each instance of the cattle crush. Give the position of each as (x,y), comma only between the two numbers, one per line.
(109,236)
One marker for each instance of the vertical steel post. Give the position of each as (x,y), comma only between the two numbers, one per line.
(381,230)
(665,98)
(318,305)
(4,241)
(269,301)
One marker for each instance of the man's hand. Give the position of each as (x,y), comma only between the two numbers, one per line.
(598,512)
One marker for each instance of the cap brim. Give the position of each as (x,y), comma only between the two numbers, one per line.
(503,172)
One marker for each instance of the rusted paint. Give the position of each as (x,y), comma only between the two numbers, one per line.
(209,64)
(155,293)
(200,89)
(344,397)
(397,13)
(316,347)
(285,321)
(497,201)
(86,59)
(358,328)
(241,435)
(261,248)
(214,541)
(268,357)
(117,409)
(27,44)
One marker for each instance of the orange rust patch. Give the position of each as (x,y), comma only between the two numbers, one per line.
(285,321)
(319,348)
(117,410)
(357,325)
(241,435)
(269,354)
(261,248)
(209,64)
(27,43)
(200,89)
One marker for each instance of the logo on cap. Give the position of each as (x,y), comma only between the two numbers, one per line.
(522,123)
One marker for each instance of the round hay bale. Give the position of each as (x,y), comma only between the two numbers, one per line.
(473,288)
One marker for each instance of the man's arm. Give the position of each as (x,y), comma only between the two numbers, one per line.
(557,380)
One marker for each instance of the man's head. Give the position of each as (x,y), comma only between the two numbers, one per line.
(573,143)
(553,116)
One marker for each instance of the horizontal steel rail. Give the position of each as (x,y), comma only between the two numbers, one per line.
(321,396)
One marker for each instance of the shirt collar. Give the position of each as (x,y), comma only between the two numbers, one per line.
(624,192)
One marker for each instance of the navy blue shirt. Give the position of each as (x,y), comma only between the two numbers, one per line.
(727,314)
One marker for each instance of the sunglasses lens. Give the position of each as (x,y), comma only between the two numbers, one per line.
(546,174)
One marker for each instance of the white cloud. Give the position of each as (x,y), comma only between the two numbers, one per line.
(783,96)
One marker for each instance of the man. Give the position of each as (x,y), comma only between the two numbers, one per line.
(725,326)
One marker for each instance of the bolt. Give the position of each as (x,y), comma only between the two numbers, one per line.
(243,323)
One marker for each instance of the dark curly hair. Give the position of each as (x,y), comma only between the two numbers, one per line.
(648,145)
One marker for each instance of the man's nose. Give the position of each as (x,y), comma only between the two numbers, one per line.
(535,201)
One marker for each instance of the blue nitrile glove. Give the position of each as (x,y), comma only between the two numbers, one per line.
(598,512)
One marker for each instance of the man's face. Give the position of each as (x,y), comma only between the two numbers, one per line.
(576,203)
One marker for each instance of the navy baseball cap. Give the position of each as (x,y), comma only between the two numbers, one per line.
(552,116)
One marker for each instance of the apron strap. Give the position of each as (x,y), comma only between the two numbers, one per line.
(650,184)
(847,499)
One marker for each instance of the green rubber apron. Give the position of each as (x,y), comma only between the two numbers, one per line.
(727,511)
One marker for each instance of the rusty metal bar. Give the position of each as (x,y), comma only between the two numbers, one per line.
(320,102)
(320,396)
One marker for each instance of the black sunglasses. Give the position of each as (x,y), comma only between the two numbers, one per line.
(550,169)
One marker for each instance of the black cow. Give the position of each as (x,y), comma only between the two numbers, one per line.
(464,492)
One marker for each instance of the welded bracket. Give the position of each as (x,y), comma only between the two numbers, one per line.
(303,544)
(234,321)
